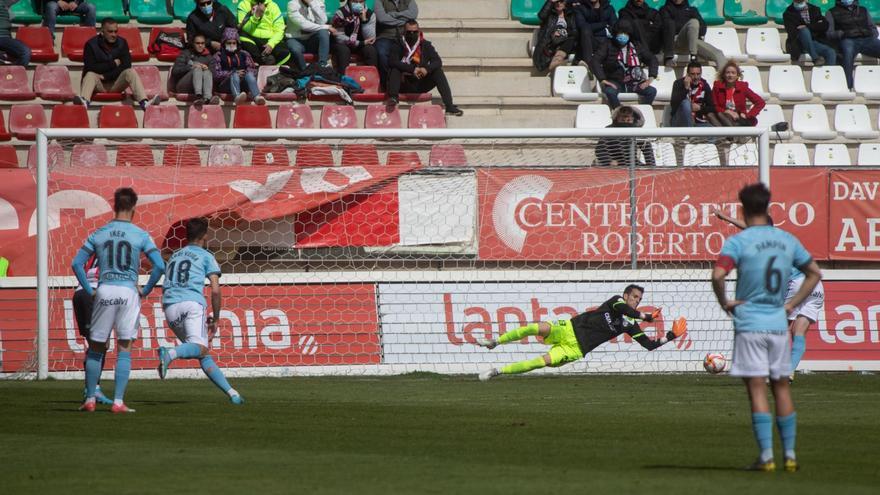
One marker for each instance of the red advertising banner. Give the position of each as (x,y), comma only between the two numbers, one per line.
(585,215)
(850,328)
(262,326)
(854,231)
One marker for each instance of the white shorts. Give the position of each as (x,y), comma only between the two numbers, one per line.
(187,321)
(116,307)
(811,306)
(761,354)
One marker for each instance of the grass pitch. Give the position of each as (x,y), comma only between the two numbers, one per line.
(430,434)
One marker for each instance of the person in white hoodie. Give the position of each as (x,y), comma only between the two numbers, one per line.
(308,31)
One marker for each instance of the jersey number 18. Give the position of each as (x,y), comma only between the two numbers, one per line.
(182,272)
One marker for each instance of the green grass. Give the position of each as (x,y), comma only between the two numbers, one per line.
(429,434)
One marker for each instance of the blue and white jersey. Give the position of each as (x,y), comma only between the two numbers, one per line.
(764,257)
(795,273)
(118,247)
(185,275)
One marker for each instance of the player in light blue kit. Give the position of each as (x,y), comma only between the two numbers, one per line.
(763,257)
(118,247)
(185,307)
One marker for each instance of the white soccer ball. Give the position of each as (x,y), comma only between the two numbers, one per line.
(715,362)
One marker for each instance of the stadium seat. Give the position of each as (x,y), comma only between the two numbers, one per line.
(251,117)
(263,74)
(151,12)
(151,80)
(726,40)
(378,117)
(209,117)
(869,154)
(811,122)
(664,154)
(829,83)
(772,114)
(54,152)
(8,156)
(74,39)
(526,11)
(132,35)
(69,116)
(426,117)
(403,158)
(710,73)
(709,10)
(23,12)
(701,155)
(447,155)
(733,10)
(592,116)
(25,119)
(775,8)
(831,155)
(183,155)
(225,155)
(134,155)
(52,82)
(338,117)
(787,83)
(743,155)
(181,10)
(5,135)
(663,83)
(117,116)
(854,122)
(752,75)
(295,116)
(368,78)
(154,33)
(314,155)
(873,8)
(791,154)
(162,117)
(647,111)
(270,154)
(867,81)
(89,155)
(574,83)
(108,96)
(359,154)
(415,97)
(110,8)
(764,45)
(39,40)
(14,83)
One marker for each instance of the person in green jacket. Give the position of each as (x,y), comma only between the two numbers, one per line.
(261,25)
(4,267)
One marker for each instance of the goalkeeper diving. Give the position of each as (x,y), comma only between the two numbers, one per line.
(572,339)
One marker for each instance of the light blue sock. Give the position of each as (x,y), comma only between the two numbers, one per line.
(798,347)
(188,351)
(762,424)
(123,370)
(214,373)
(787,426)
(93,371)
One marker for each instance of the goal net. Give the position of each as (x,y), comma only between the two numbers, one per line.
(374,252)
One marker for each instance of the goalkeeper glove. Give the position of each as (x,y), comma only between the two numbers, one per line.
(679,327)
(650,317)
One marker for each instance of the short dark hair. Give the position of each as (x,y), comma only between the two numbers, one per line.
(108,20)
(411,22)
(755,199)
(694,65)
(124,199)
(632,287)
(196,228)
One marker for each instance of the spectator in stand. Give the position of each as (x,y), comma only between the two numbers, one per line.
(192,72)
(355,26)
(307,31)
(11,51)
(646,24)
(209,19)
(52,9)
(234,65)
(417,68)
(262,31)
(806,28)
(557,36)
(851,26)
(691,103)
(391,15)
(683,31)
(107,68)
(594,19)
(619,66)
(615,152)
(731,96)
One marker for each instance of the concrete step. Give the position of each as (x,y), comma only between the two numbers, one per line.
(470,9)
(483,45)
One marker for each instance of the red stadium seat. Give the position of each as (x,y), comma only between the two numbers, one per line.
(8,157)
(55,156)
(225,155)
(403,158)
(73,41)
(162,117)
(263,74)
(368,77)
(135,45)
(314,155)
(415,97)
(270,154)
(39,40)
(209,117)
(4,134)
(338,117)
(426,117)
(107,96)
(117,116)
(151,81)
(252,117)
(14,83)
(379,117)
(154,33)
(359,154)
(89,155)
(73,116)
(444,155)
(296,116)
(52,82)
(25,119)
(134,155)
(183,155)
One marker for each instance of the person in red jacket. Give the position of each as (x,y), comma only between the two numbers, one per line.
(731,97)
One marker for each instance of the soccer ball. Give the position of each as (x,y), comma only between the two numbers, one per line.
(715,362)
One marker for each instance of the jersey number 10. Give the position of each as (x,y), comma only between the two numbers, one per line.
(118,255)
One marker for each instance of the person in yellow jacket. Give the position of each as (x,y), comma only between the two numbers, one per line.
(4,267)
(261,25)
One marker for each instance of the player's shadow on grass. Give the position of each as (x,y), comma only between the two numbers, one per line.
(73,405)
(693,467)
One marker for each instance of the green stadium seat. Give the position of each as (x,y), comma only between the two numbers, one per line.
(873,7)
(526,11)
(657,4)
(709,10)
(151,11)
(24,12)
(182,9)
(110,8)
(618,4)
(733,10)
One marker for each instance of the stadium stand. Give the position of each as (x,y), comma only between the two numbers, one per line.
(208,117)
(791,154)
(117,116)
(52,82)
(14,84)
(831,155)
(294,116)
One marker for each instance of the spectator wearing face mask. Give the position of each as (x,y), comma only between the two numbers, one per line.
(646,24)
(617,152)
(233,68)
(621,65)
(209,19)
(308,32)
(557,36)
(192,72)
(355,34)
(391,15)
(806,28)
(851,26)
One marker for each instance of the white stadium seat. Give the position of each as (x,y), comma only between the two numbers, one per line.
(664,81)
(593,116)
(791,154)
(869,154)
(647,112)
(709,74)
(574,83)
(752,75)
(867,81)
(701,155)
(787,83)
(726,40)
(763,44)
(743,155)
(811,122)
(772,114)
(854,122)
(829,83)
(664,154)
(831,155)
